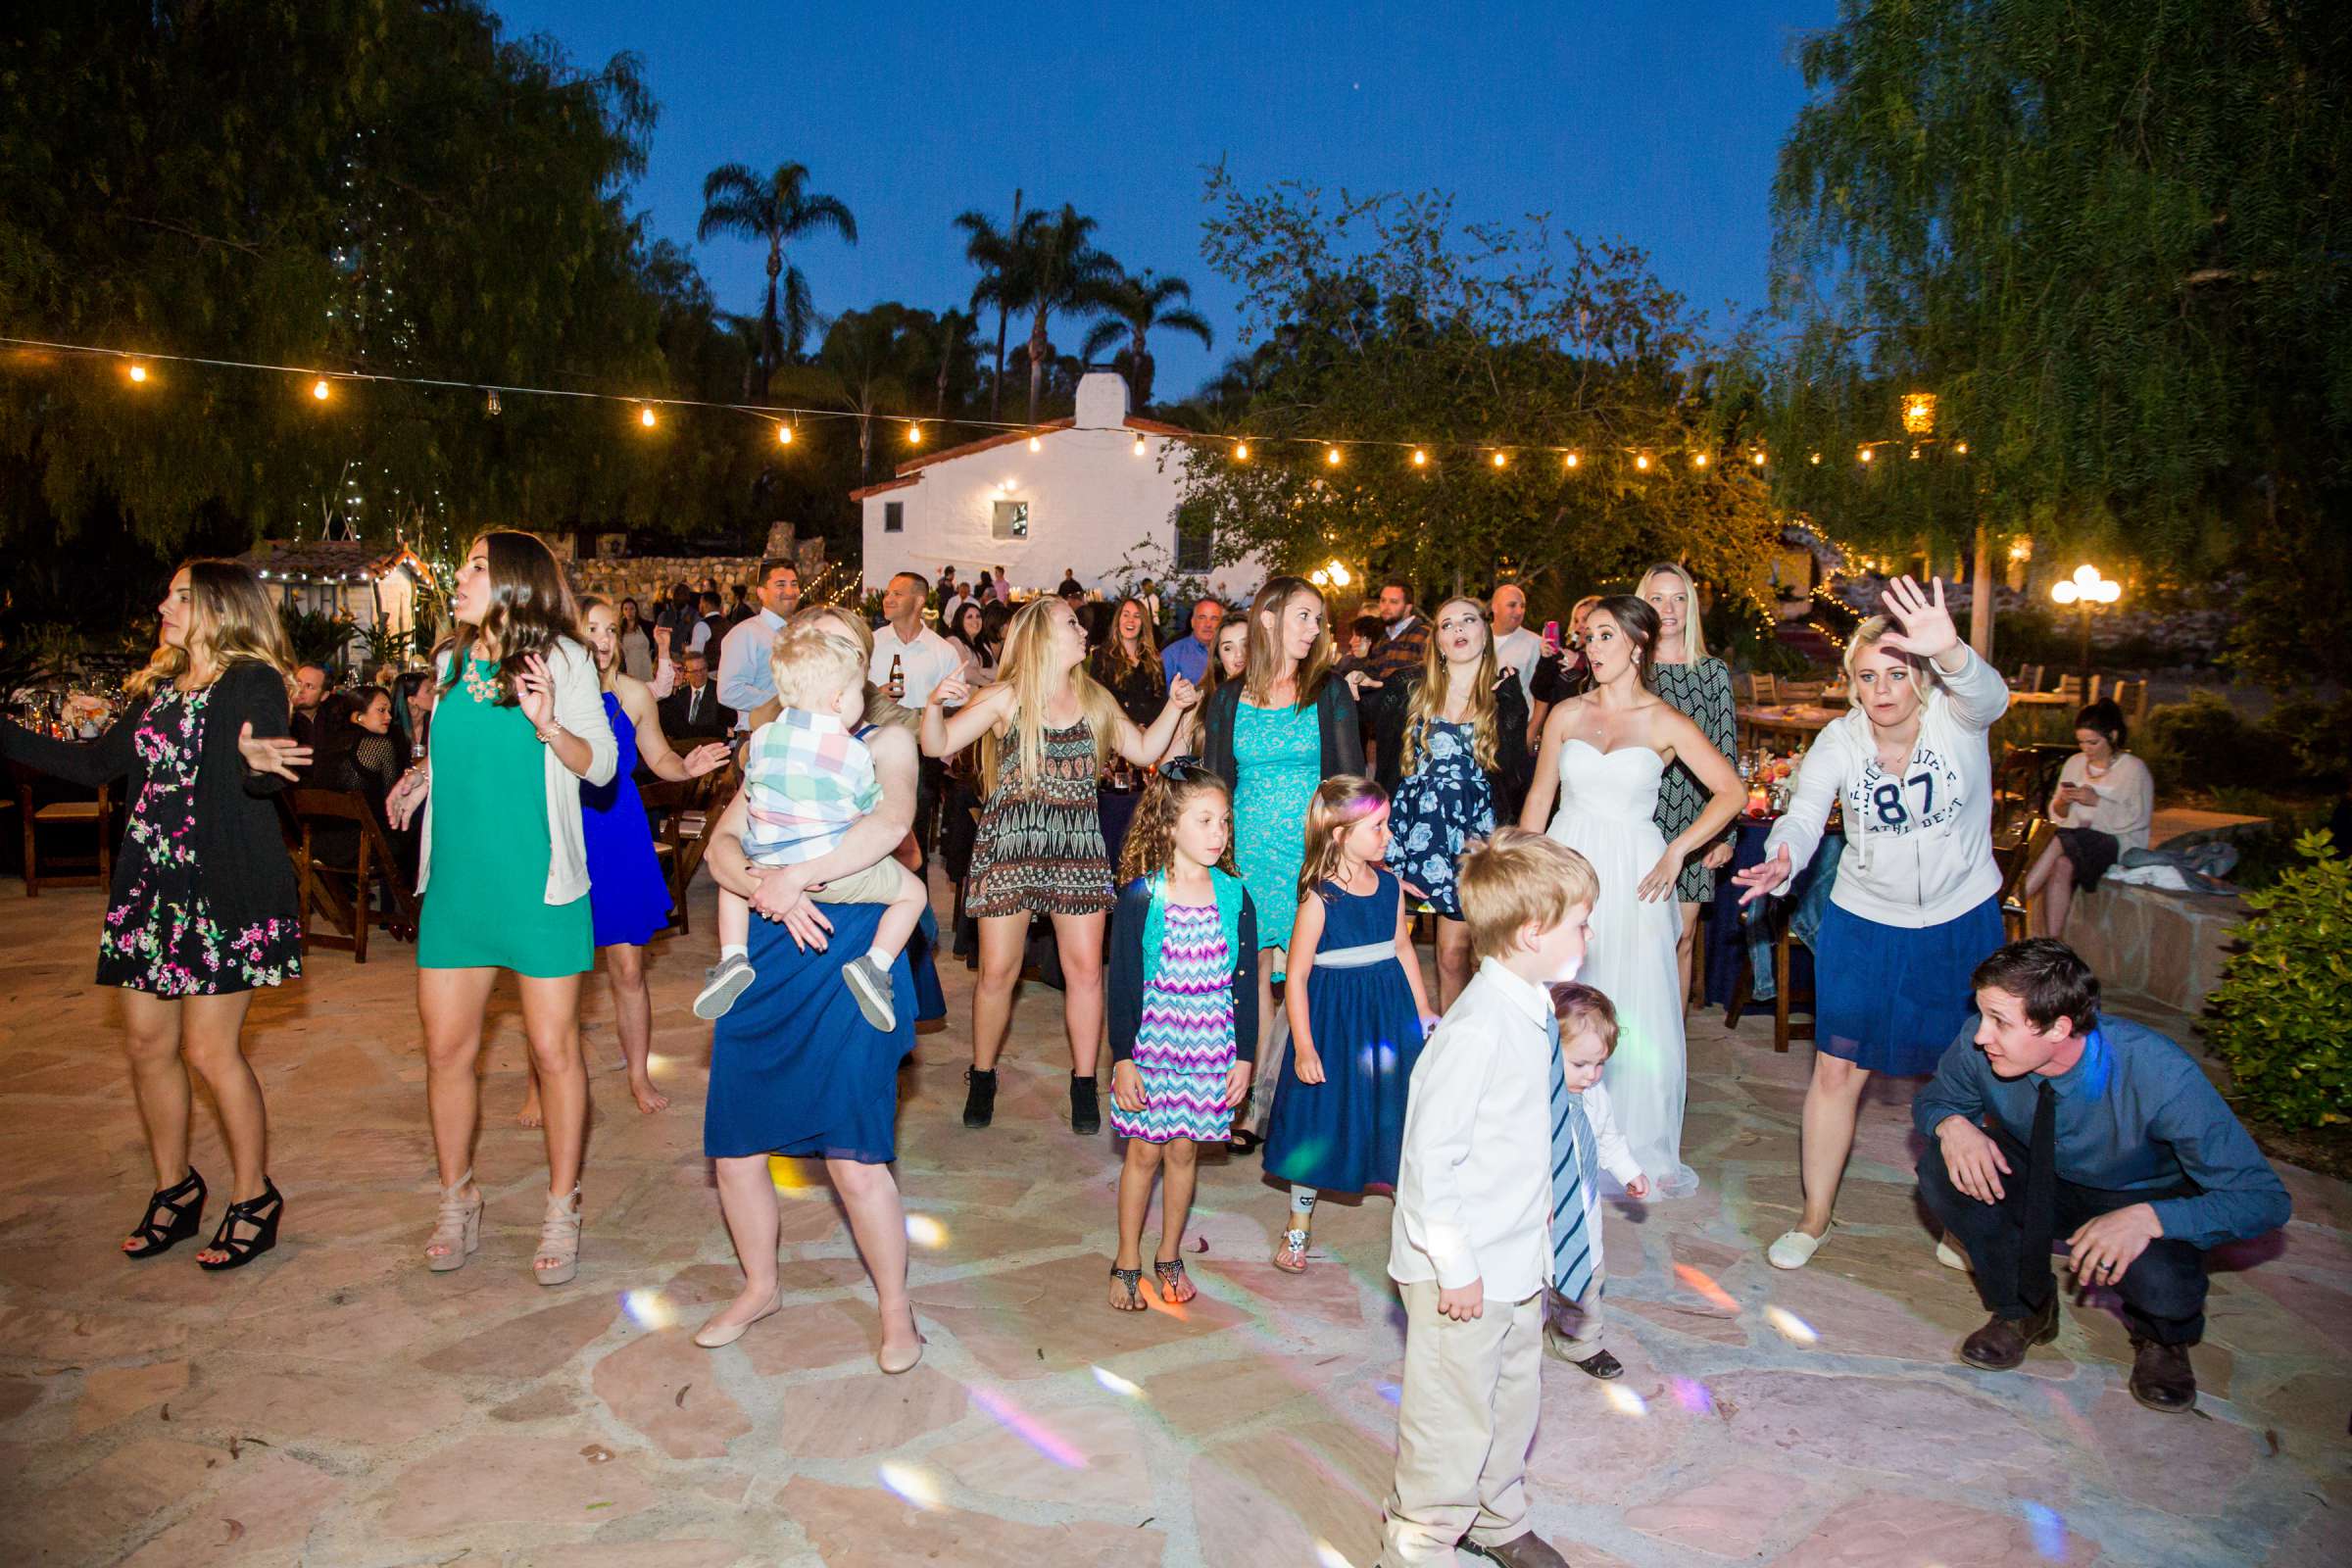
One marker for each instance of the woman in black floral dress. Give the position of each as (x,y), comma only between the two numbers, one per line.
(203,909)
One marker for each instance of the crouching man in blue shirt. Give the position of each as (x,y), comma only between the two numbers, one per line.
(2051,1122)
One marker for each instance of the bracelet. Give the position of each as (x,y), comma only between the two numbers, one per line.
(546,736)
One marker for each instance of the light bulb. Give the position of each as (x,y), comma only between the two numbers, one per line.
(2110,590)
(1502,459)
(1866,455)
(1338,575)
(1320,578)
(783,435)
(1420,459)
(645,417)
(1035,445)
(1642,460)
(1961,448)
(1331,456)
(914,435)
(1757,458)
(1915,454)
(1698,459)
(1573,459)
(137,372)
(1817,460)
(1240,452)
(318,389)
(1138,446)
(2066,592)
(2085,575)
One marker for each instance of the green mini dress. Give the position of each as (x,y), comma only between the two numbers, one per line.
(486,893)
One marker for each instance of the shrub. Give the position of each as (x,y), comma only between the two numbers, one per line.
(2316,735)
(2200,745)
(2284,1003)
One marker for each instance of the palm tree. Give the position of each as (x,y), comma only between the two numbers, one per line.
(736,201)
(1130,308)
(864,365)
(954,334)
(1057,269)
(996,252)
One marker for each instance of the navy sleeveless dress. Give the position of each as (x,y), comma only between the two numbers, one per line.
(626,895)
(1346,1133)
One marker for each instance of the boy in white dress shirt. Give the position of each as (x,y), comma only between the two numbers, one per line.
(1471,1245)
(1588,1038)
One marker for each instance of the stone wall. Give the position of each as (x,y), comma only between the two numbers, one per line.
(646,577)
(2166,946)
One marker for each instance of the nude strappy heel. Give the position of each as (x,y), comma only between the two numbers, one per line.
(558,1260)
(458,1228)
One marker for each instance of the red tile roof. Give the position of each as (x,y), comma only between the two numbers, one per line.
(887,484)
(911,469)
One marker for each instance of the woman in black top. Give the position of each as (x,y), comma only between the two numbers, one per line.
(1127,664)
(356,748)
(203,909)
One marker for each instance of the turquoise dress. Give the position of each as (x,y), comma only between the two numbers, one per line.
(1277,762)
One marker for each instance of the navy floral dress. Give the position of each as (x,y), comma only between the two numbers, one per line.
(1446,802)
(161,935)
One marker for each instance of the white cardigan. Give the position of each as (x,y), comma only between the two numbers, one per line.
(579,708)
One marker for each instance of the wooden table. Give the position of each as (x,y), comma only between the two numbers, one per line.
(1796,723)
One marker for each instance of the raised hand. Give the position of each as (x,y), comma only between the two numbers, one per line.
(950,693)
(1182,693)
(535,691)
(1764,876)
(706,758)
(280,756)
(1925,626)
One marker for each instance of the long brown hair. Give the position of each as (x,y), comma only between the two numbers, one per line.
(1429,696)
(1339,802)
(531,610)
(230,621)
(1116,664)
(1264,665)
(1152,837)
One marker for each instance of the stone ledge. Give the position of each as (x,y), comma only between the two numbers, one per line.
(2166,946)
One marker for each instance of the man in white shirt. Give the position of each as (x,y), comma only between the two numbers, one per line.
(745,683)
(909,659)
(1515,647)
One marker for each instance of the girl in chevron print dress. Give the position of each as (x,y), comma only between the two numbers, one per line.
(1183,1012)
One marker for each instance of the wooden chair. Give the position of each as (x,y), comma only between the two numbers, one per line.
(1782,1003)
(2132,697)
(2016,862)
(687,810)
(2070,689)
(373,865)
(1765,689)
(2029,677)
(83,870)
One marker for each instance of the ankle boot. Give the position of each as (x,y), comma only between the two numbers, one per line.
(1085,1112)
(980,1097)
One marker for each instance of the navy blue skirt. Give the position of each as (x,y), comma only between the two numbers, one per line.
(1346,1133)
(1893,998)
(795,1068)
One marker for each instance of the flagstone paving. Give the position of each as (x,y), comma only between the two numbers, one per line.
(338,1405)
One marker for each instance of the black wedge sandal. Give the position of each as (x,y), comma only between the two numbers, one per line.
(243,1250)
(1130,1280)
(184,1203)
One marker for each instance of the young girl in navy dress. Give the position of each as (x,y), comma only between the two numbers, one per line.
(1183,1012)
(1356,1008)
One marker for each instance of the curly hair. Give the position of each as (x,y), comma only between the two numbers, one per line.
(1151,837)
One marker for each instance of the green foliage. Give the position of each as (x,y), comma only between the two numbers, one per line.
(319,638)
(1384,323)
(2201,744)
(1743,633)
(2285,1004)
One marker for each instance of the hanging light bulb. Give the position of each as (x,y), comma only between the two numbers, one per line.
(137,373)
(1817,460)
(1138,446)
(645,417)
(914,434)
(783,435)
(1035,445)
(1574,459)
(490,403)
(319,389)
(1502,459)
(1420,459)
(1642,460)
(1757,458)
(1867,454)
(1331,456)
(1961,448)
(1698,459)
(1240,452)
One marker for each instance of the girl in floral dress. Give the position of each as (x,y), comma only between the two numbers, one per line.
(203,909)
(1045,728)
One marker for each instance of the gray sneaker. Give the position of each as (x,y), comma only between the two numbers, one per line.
(722,983)
(869,981)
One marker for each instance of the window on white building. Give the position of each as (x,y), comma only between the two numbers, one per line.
(894,517)
(1196,539)
(1011,521)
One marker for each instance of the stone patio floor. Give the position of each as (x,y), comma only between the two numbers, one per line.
(338,1405)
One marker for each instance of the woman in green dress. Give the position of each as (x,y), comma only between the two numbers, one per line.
(519,724)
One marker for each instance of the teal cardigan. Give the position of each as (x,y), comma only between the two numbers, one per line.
(1137,933)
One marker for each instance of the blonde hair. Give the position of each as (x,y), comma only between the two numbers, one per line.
(1695,637)
(814,668)
(230,621)
(1151,846)
(1869,635)
(1263,666)
(1032,668)
(1581,1008)
(880,709)
(1429,696)
(1520,877)
(1339,802)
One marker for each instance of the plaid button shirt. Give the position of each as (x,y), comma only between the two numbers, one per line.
(806,779)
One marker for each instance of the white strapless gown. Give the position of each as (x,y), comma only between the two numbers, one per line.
(1607,814)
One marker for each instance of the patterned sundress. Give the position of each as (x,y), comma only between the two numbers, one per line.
(1701,692)
(1184,1046)
(1446,801)
(1278,761)
(162,936)
(1038,847)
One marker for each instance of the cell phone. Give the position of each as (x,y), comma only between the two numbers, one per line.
(1552,636)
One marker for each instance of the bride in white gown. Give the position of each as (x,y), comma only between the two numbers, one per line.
(1603,757)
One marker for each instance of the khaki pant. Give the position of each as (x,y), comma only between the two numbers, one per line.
(1464,1425)
(878,882)
(1572,1329)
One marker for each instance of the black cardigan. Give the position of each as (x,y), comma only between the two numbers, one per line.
(1335,712)
(241,862)
(1388,706)
(1126,974)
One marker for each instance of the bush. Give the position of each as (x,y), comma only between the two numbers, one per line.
(2284,1003)
(2316,736)
(2202,744)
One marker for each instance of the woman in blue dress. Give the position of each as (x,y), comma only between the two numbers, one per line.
(1452,749)
(1357,1010)
(629,898)
(1288,723)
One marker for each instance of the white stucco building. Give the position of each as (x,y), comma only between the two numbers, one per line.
(1086,493)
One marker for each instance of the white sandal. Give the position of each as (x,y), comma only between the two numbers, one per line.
(1793,1250)
(457,1228)
(559,1240)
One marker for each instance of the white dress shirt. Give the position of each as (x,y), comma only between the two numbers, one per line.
(924,661)
(1474,1188)
(1520,649)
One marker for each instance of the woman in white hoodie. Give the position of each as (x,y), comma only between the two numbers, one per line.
(1917,901)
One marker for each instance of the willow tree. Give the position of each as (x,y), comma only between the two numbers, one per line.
(2111,237)
(1377,327)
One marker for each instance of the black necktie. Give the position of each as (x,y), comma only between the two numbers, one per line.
(2034,1283)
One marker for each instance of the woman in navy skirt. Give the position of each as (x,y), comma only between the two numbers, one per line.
(1916,902)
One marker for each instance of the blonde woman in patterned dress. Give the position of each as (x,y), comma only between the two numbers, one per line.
(1698,686)
(1045,728)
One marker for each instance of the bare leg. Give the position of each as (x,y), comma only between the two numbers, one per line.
(159,1081)
(449,1003)
(2058,899)
(1454,959)
(1685,947)
(1002,938)
(530,1115)
(2038,877)
(747,1198)
(1178,1172)
(1136,1172)
(878,1223)
(551,1017)
(902,914)
(633,1021)
(208,1031)
(1832,1106)
(1079,937)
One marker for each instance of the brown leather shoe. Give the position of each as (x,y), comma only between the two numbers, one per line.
(2001,1343)
(1530,1550)
(2162,1378)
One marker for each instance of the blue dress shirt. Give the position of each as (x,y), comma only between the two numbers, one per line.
(1186,657)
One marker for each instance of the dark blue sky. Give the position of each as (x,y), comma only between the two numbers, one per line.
(1654,122)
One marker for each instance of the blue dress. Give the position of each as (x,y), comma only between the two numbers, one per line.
(795,1068)
(1277,762)
(1346,1133)
(626,893)
(1446,801)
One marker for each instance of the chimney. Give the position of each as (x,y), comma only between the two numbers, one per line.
(1101,400)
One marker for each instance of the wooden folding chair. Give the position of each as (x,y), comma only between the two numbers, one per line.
(95,869)
(687,810)
(371,865)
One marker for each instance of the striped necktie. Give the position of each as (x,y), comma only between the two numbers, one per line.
(1571,1151)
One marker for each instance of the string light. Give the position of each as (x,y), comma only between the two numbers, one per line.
(914,434)
(1420,459)
(137,372)
(1757,458)
(1698,459)
(1502,459)
(1642,460)
(1331,456)
(1817,460)
(1573,461)
(1240,452)
(783,435)
(1035,445)
(645,417)
(1138,446)
(319,389)
(490,403)
(1960,450)
(1867,454)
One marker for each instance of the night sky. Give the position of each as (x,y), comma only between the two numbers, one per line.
(1653,122)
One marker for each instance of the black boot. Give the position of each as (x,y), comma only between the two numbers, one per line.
(1086,1113)
(980,1099)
